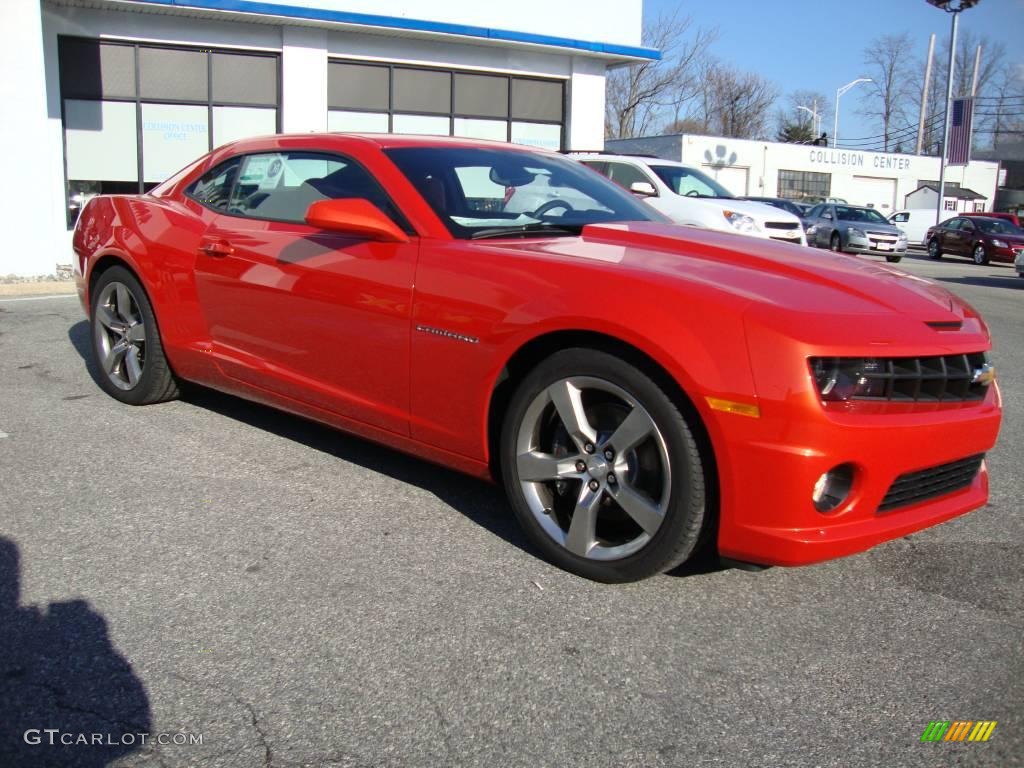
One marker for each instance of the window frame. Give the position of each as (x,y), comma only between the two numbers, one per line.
(808,183)
(138,100)
(402,222)
(452,113)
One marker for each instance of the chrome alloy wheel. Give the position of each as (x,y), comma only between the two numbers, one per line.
(120,336)
(593,467)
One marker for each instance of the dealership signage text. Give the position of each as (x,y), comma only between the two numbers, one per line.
(859,160)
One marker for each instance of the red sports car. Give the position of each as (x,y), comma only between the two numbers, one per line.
(640,389)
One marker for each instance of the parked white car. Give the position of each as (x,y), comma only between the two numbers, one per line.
(689,196)
(915,223)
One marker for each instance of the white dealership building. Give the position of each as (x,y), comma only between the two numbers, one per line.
(885,181)
(116,95)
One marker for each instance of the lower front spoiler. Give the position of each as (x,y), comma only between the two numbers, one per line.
(832,539)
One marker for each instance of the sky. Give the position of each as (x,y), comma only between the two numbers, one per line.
(819,45)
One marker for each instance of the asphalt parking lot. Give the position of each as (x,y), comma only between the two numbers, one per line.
(297,597)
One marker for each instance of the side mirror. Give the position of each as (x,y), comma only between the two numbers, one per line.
(643,189)
(355,216)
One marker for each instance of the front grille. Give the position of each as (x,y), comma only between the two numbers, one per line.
(782,225)
(887,236)
(941,379)
(915,487)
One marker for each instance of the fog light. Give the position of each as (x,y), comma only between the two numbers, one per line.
(833,488)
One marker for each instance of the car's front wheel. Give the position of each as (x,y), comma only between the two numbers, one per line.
(602,469)
(126,341)
(980,255)
(835,243)
(934,251)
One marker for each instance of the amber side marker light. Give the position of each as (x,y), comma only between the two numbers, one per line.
(731,406)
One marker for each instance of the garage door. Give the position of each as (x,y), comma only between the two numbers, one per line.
(877,192)
(732,178)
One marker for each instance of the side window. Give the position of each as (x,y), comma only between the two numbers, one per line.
(281,186)
(952,224)
(626,175)
(815,212)
(214,188)
(826,212)
(900,218)
(966,225)
(600,167)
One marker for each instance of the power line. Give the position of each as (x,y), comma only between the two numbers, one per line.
(908,129)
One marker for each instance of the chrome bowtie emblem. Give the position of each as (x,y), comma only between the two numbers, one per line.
(984,375)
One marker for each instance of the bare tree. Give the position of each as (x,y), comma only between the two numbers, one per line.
(734,103)
(890,65)
(794,121)
(992,77)
(639,95)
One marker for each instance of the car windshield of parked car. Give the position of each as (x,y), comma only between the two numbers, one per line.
(690,182)
(865,215)
(481,192)
(997,227)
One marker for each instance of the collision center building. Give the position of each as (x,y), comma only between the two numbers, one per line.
(883,180)
(113,96)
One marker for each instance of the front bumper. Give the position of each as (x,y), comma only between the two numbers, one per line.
(879,248)
(773,520)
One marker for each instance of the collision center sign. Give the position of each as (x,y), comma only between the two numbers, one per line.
(847,159)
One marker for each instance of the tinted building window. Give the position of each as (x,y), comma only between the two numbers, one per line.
(795,185)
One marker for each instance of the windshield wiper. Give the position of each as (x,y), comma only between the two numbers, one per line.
(528,230)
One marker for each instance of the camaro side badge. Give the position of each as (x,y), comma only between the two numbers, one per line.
(447,334)
(984,375)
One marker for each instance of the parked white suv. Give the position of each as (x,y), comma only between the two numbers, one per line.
(688,196)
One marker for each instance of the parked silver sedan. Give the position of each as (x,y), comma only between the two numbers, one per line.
(853,229)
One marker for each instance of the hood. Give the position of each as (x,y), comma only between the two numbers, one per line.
(759,212)
(872,226)
(800,279)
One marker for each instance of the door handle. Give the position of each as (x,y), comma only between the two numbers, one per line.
(217,248)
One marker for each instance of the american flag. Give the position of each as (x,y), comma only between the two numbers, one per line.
(960,132)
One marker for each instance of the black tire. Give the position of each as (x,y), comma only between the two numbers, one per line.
(686,521)
(156,382)
(934,249)
(894,259)
(835,243)
(980,255)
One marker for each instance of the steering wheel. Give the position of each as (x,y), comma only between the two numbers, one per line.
(549,206)
(693,193)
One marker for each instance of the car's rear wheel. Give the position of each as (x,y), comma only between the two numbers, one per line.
(980,255)
(602,469)
(835,243)
(126,341)
(934,251)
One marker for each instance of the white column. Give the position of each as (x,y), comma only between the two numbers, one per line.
(303,79)
(586,105)
(34,172)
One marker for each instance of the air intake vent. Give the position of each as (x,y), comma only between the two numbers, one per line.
(915,487)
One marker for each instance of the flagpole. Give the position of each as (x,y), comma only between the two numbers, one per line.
(945,121)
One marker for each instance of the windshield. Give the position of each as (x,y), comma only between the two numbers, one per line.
(860,214)
(690,182)
(483,192)
(997,227)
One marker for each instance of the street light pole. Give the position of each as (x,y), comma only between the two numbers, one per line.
(947,6)
(814,118)
(840,92)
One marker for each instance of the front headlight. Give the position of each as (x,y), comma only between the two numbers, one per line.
(741,222)
(1000,244)
(856,232)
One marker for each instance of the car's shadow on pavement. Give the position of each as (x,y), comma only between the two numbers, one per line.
(61,681)
(1013,283)
(483,503)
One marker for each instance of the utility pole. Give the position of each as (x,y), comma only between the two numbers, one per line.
(924,95)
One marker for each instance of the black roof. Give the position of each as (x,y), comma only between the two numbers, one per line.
(960,193)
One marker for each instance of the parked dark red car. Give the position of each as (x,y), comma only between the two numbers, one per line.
(983,238)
